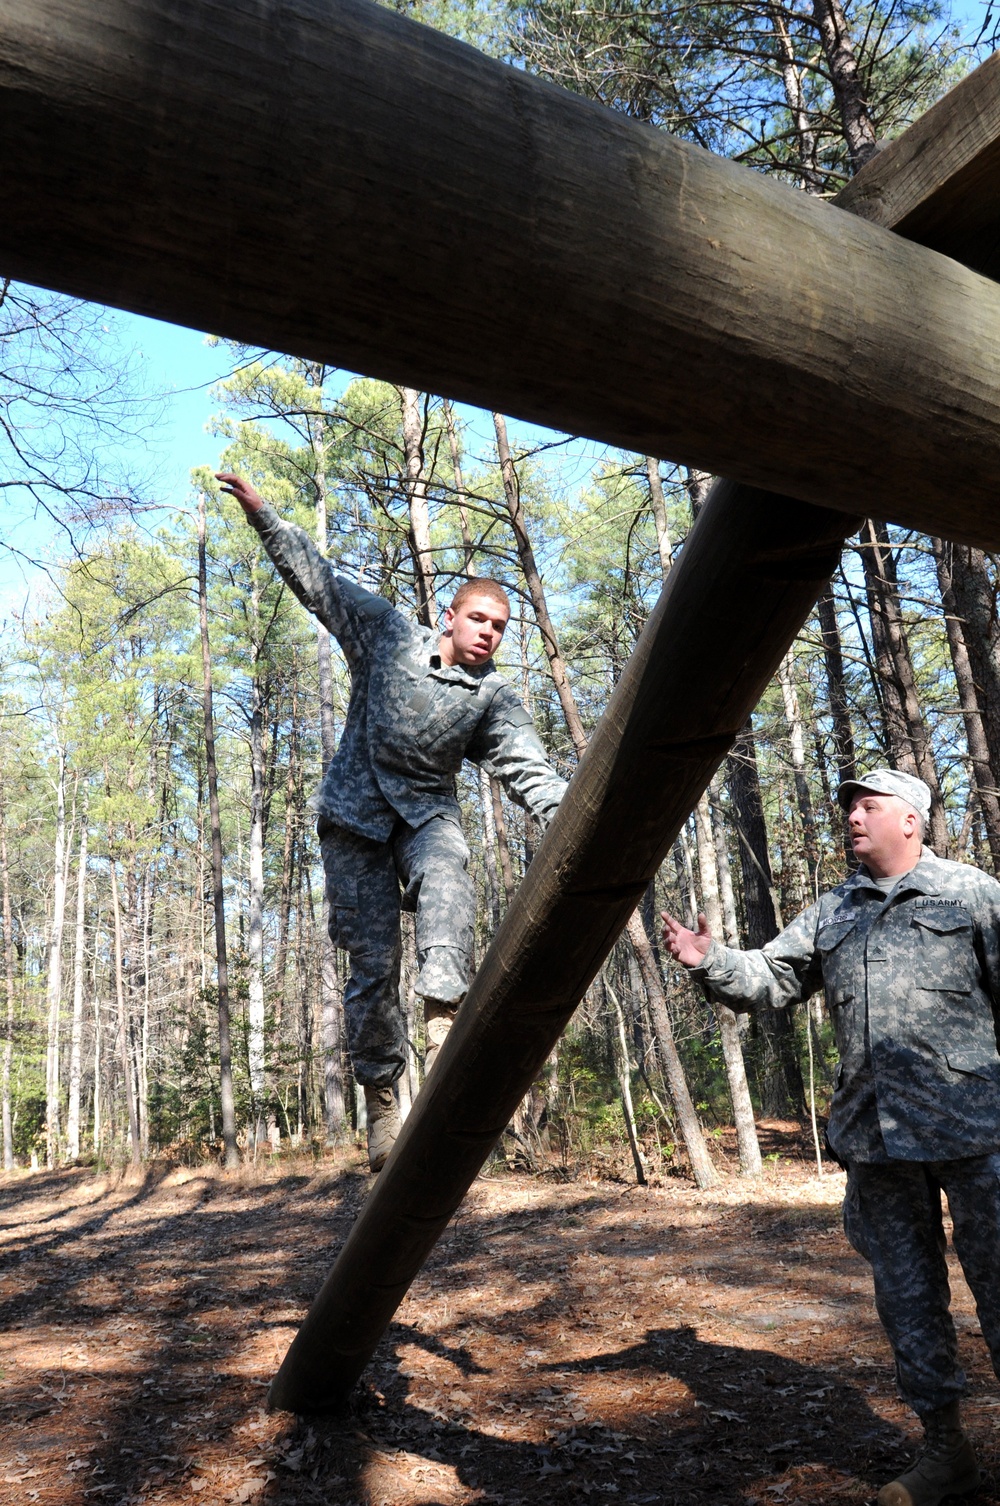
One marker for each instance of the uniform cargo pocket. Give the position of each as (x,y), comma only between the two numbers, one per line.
(974,1062)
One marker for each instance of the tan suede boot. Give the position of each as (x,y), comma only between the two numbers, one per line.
(946,1467)
(438,1020)
(384,1124)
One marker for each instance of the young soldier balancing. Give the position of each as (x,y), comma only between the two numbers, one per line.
(421,702)
(908,953)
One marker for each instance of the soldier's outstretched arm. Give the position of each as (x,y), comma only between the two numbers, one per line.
(508,747)
(785,971)
(344,609)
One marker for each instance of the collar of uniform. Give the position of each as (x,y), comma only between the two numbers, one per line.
(921,879)
(465,674)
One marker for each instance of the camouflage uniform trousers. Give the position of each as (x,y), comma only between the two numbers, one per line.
(363,879)
(892,1216)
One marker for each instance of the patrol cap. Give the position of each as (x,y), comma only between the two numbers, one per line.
(889,782)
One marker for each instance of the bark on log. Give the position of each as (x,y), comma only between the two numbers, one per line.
(248,168)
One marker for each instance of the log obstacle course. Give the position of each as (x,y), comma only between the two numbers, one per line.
(341,183)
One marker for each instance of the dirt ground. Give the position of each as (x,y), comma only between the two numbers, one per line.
(579,1342)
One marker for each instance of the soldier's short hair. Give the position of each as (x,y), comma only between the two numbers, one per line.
(480,586)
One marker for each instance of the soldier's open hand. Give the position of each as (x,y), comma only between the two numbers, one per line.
(235,486)
(686,947)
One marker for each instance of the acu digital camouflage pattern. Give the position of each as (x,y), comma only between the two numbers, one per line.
(911,980)
(362,884)
(387,806)
(411,720)
(892,1216)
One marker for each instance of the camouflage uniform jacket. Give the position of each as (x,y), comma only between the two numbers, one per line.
(912,982)
(411,719)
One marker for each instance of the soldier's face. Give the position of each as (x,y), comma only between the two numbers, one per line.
(882,830)
(475,629)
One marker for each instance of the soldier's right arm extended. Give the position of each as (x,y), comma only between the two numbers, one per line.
(341,606)
(784,972)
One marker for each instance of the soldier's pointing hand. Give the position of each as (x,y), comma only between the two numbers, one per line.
(686,947)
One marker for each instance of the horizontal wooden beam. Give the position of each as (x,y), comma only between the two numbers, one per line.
(334,180)
(939,183)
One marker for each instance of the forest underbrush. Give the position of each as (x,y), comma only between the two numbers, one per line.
(570,1340)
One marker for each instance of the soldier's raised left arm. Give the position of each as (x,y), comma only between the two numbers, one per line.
(508,747)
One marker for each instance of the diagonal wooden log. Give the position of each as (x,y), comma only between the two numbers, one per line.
(745,582)
(748,576)
(939,183)
(334,180)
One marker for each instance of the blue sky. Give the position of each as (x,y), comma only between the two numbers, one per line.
(179,368)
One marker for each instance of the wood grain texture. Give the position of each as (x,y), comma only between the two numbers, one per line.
(939,183)
(334,180)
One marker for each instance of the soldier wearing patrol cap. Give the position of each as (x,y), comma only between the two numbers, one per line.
(907,951)
(421,702)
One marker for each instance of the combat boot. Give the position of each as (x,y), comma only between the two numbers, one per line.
(384,1124)
(438,1020)
(946,1467)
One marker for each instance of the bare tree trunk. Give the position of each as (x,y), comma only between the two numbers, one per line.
(976,603)
(813,180)
(975,732)
(255,920)
(909,739)
(840,714)
(658,507)
(98,1068)
(803,799)
(416,502)
(232,1155)
(730,926)
(699,484)
(288,851)
(782,1089)
(536,591)
(468,548)
(8,973)
(123,1023)
(490,848)
(331,1022)
(702,1169)
(54,988)
(625,1085)
(503,846)
(729,1030)
(79,971)
(855,115)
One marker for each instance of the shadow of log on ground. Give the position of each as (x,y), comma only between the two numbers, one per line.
(573,1342)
